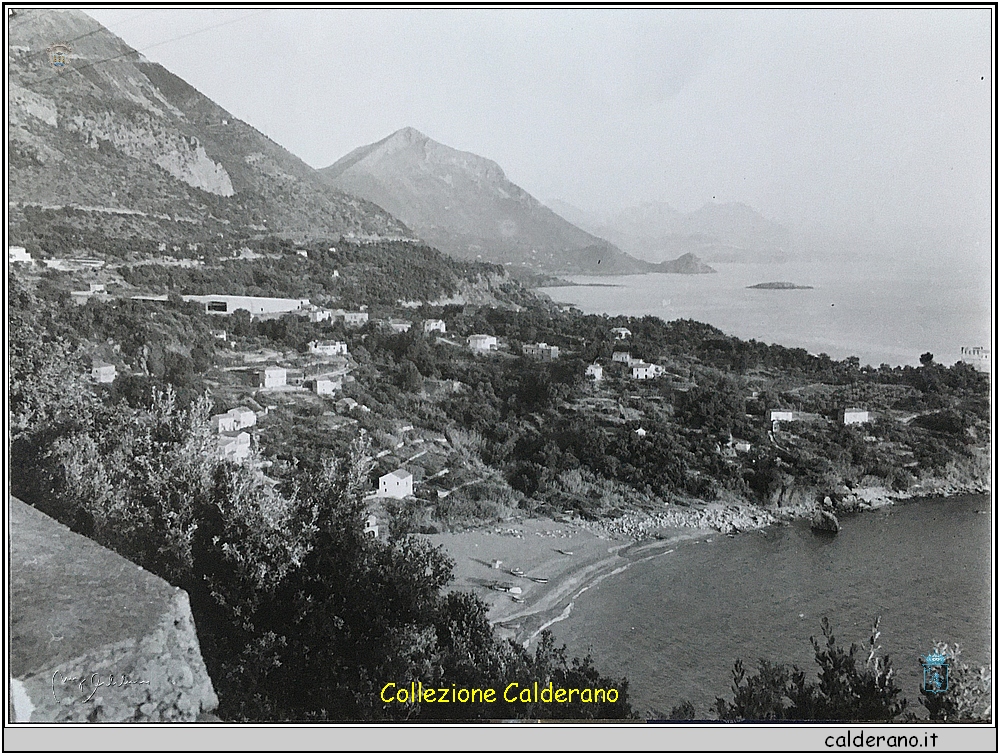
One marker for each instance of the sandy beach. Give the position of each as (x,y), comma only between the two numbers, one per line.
(570,556)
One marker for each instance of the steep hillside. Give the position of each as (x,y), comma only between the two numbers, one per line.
(145,154)
(465,205)
(656,231)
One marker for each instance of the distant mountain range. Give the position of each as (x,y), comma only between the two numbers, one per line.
(111,145)
(655,231)
(465,205)
(143,151)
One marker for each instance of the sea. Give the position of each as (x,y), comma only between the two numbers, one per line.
(675,624)
(879,310)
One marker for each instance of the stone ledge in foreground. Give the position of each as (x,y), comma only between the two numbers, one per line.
(93,637)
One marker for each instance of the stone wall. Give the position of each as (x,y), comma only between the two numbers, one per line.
(93,637)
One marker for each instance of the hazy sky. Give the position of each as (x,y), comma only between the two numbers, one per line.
(867,117)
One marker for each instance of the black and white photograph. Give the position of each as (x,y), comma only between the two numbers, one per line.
(502,366)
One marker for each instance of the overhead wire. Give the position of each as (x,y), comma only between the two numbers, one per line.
(79,69)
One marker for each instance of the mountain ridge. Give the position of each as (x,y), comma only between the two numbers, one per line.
(465,205)
(114,130)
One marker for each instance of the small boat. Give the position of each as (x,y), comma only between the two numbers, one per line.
(539,580)
(517,599)
(517,572)
(565,553)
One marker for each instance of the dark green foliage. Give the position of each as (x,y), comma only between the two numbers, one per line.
(968,698)
(848,688)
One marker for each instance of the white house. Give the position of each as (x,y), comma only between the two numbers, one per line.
(103,372)
(18,254)
(272,377)
(641,432)
(328,348)
(482,343)
(595,372)
(977,356)
(320,315)
(352,319)
(234,446)
(854,416)
(541,351)
(742,446)
(397,484)
(623,357)
(400,326)
(621,334)
(371,526)
(234,419)
(645,371)
(327,386)
(435,325)
(780,415)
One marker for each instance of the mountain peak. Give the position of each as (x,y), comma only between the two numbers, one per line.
(407,134)
(465,205)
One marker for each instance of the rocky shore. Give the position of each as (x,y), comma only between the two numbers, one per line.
(728,519)
(743,517)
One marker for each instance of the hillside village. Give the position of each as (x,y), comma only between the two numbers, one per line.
(267,390)
(290,377)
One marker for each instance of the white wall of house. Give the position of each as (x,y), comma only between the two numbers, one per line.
(396,484)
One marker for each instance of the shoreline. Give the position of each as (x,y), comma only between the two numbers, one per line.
(605,548)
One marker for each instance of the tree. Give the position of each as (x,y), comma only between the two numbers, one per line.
(846,690)
(926,359)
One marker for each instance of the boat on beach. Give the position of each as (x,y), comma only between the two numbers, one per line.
(565,553)
(539,580)
(517,572)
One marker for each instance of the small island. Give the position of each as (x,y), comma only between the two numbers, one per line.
(779,285)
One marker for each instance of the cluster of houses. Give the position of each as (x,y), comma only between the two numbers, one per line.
(233,439)
(639,369)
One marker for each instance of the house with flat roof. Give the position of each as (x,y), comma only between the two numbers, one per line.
(328,348)
(326,386)
(234,446)
(854,416)
(102,372)
(481,342)
(781,415)
(646,371)
(396,484)
(541,351)
(621,334)
(430,326)
(272,377)
(235,419)
(18,254)
(595,372)
(622,357)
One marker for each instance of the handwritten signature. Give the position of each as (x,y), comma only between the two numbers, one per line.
(97,681)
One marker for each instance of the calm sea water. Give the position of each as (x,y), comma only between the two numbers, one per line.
(675,624)
(884,311)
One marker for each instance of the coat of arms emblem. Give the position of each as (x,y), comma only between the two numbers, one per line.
(59,54)
(935,666)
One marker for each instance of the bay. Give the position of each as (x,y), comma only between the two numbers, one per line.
(887,311)
(675,624)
